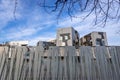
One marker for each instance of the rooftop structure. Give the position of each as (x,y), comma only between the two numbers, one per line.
(67,37)
(45,44)
(17,43)
(94,39)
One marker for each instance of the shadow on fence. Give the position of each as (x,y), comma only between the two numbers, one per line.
(60,63)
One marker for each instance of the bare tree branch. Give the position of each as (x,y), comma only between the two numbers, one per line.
(15,9)
(103,10)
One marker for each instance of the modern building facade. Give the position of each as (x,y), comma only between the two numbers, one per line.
(94,39)
(17,43)
(67,37)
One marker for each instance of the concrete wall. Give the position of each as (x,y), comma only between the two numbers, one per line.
(1,49)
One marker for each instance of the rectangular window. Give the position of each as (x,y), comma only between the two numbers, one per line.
(63,43)
(66,37)
(99,42)
(101,33)
(103,43)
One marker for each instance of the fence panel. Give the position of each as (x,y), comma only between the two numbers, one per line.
(60,63)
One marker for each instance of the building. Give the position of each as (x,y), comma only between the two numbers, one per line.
(45,44)
(1,44)
(17,43)
(67,37)
(94,39)
(53,41)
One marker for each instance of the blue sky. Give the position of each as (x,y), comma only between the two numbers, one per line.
(33,23)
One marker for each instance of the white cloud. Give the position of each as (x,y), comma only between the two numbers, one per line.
(6,12)
(18,34)
(35,23)
(40,38)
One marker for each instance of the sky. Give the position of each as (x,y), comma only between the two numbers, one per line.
(34,24)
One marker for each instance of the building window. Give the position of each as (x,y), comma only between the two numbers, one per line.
(66,37)
(103,43)
(63,44)
(99,42)
(101,33)
(88,38)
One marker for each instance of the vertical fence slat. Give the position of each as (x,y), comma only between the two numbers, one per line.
(12,64)
(3,63)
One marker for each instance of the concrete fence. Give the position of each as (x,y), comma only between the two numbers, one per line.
(60,63)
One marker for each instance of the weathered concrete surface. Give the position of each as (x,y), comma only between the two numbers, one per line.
(60,63)
(1,49)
